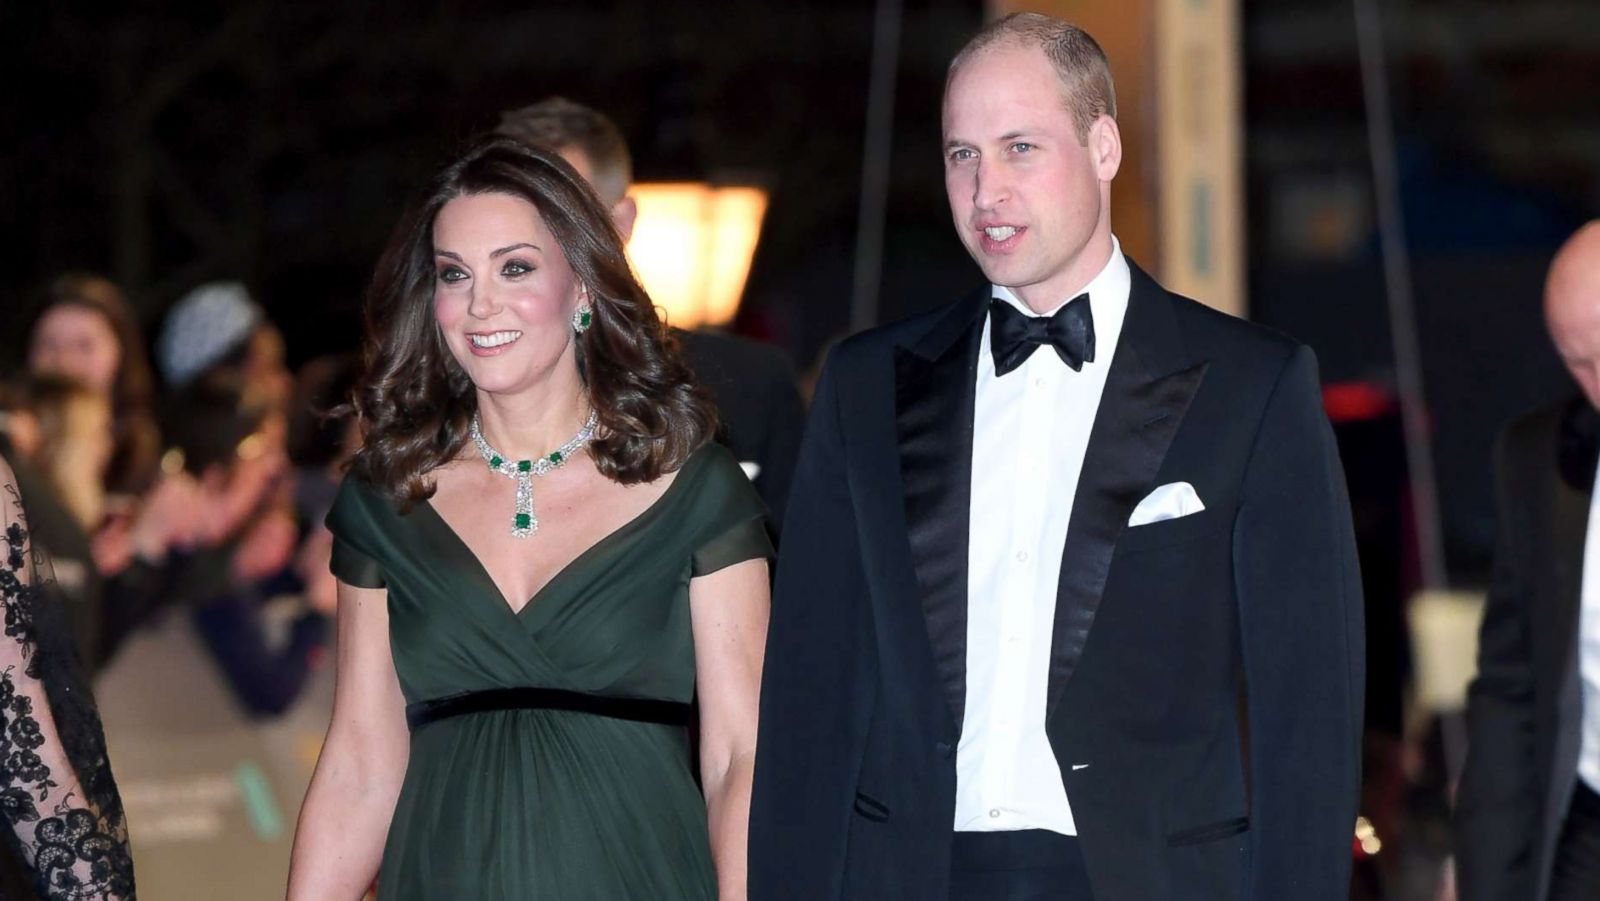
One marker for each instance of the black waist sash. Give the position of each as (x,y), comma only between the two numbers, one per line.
(641,710)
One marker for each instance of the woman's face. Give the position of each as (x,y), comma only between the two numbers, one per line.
(77,342)
(503,293)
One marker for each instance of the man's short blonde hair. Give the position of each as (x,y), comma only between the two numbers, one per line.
(1079,62)
(559,125)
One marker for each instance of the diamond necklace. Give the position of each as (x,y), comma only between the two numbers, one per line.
(524,523)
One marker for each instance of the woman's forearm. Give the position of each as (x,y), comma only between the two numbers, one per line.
(343,824)
(728,819)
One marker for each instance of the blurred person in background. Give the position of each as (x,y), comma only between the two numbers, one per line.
(86,331)
(217,328)
(323,436)
(72,443)
(65,834)
(1527,814)
(57,433)
(753,384)
(263,368)
(238,583)
(322,428)
(60,460)
(217,349)
(227,559)
(542,559)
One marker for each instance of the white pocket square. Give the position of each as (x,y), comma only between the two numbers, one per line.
(1170,501)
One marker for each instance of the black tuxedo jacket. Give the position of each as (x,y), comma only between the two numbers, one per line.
(1207,669)
(1524,710)
(758,402)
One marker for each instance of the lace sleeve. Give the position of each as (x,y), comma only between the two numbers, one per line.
(57,795)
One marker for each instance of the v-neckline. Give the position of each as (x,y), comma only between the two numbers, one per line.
(615,535)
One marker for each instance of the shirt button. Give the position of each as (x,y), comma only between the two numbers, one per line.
(1022,556)
(994,814)
(1038,383)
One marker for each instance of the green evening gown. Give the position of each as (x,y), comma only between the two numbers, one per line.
(550,804)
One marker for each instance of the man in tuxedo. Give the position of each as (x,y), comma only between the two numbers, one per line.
(753,384)
(1527,817)
(1069,621)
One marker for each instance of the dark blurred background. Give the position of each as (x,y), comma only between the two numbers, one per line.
(1499,161)
(167,145)
(274,143)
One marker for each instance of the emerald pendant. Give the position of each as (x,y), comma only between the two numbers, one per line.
(524,521)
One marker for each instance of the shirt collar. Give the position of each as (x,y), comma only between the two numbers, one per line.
(1108,290)
(1108,304)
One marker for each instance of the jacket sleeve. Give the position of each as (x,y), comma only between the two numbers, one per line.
(1497,803)
(1297,583)
(816,686)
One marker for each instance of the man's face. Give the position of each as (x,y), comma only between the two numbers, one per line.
(1028,199)
(1574,322)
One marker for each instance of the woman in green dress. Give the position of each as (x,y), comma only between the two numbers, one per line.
(542,561)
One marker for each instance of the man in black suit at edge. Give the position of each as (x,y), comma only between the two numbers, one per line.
(752,383)
(1066,622)
(1527,817)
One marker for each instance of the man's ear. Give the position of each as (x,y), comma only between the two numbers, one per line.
(1105,147)
(623,212)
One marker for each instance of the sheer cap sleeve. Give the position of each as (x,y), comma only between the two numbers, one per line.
(735,520)
(58,800)
(351,521)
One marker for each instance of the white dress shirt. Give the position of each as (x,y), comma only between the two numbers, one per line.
(1030,431)
(1589,650)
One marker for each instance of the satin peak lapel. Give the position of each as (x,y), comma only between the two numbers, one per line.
(1148,390)
(935,389)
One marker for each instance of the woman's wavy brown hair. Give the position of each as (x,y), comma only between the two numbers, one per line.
(415,402)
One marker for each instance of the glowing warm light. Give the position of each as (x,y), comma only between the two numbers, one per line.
(692,245)
(1367,837)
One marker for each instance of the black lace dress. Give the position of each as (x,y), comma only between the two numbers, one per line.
(63,818)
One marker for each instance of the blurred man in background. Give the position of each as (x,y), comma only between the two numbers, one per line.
(1527,815)
(753,384)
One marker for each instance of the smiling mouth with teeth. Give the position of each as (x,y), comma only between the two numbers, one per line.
(495,339)
(1000,232)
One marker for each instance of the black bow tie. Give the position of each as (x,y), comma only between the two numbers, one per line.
(1014,335)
